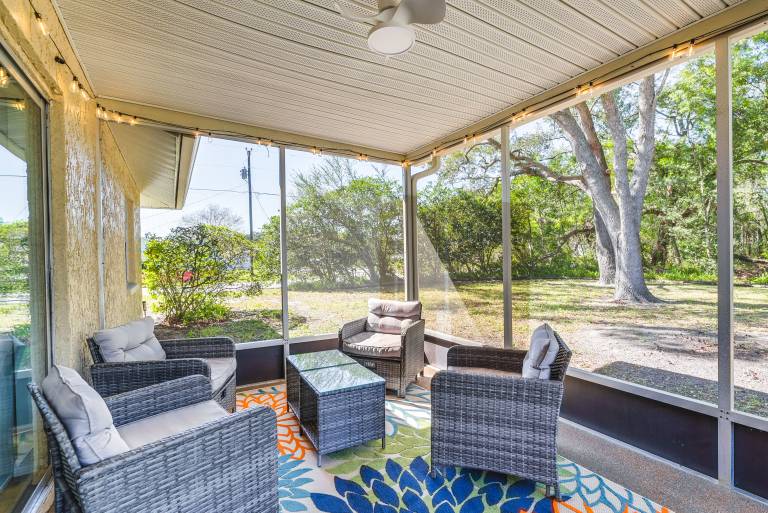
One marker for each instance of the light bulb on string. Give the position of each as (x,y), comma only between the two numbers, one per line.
(84,93)
(74,85)
(690,48)
(4,78)
(133,121)
(674,53)
(41,24)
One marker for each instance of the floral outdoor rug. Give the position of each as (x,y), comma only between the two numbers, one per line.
(369,479)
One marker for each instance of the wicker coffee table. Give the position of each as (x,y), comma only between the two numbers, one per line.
(339,403)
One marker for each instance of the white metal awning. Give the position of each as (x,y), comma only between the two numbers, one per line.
(161,163)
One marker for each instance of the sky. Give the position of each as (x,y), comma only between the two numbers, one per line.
(13,187)
(216,180)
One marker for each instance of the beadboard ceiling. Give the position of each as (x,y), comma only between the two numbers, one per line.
(298,66)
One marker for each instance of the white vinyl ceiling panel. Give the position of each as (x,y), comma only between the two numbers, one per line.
(298,66)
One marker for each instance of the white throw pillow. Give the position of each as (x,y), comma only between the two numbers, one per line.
(541,354)
(130,342)
(84,415)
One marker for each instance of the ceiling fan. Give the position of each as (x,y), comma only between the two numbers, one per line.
(392,32)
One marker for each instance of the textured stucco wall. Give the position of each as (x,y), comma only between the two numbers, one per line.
(78,147)
(120,217)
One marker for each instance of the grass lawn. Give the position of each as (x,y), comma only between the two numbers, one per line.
(672,345)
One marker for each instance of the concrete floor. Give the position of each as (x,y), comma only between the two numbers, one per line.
(669,485)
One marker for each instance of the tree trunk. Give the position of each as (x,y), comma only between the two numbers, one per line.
(630,280)
(606,256)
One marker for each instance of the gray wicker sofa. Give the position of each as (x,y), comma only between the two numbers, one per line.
(486,415)
(129,357)
(389,341)
(179,452)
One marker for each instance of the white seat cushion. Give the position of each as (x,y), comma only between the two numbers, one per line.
(542,353)
(84,415)
(221,370)
(157,427)
(369,343)
(130,342)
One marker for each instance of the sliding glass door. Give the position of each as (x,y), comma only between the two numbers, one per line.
(23,290)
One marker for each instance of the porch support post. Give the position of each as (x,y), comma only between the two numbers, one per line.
(724,258)
(409,233)
(283,248)
(506,229)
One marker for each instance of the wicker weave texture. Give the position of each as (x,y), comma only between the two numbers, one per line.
(208,468)
(398,372)
(339,419)
(184,357)
(497,422)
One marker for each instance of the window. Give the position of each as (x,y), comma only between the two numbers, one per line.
(749,76)
(459,244)
(218,257)
(23,291)
(345,239)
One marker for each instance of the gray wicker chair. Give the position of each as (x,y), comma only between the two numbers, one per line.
(184,357)
(398,369)
(227,465)
(485,416)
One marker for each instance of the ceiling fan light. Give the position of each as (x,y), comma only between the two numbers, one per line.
(391,39)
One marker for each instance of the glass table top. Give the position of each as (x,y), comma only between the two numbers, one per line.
(320,360)
(341,377)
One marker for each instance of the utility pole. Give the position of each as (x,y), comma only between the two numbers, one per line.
(245,174)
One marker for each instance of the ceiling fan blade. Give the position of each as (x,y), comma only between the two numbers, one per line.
(426,12)
(378,17)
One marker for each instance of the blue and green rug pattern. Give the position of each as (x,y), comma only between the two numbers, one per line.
(369,479)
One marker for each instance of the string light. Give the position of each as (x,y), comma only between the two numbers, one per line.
(674,53)
(585,89)
(4,78)
(133,121)
(404,164)
(41,23)
(83,92)
(465,139)
(690,48)
(362,157)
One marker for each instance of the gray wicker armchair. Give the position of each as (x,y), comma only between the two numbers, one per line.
(225,465)
(486,416)
(390,341)
(212,357)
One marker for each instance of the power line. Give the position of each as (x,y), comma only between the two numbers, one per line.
(258,193)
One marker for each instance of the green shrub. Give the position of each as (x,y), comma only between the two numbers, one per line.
(192,270)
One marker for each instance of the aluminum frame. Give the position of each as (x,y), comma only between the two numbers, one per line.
(725,410)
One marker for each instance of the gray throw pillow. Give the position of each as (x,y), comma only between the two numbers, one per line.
(130,342)
(541,354)
(84,415)
(386,316)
